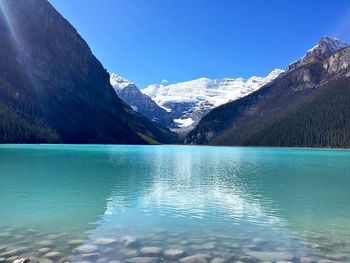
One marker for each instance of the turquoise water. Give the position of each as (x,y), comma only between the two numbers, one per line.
(104,203)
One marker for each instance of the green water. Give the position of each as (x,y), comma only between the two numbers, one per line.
(230,203)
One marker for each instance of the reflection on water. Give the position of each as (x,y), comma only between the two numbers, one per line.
(168,203)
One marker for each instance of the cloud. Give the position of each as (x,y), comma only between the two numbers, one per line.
(164,81)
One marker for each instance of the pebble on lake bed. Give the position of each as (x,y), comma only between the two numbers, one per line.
(87,249)
(142,260)
(11,259)
(44,250)
(194,259)
(129,253)
(152,251)
(43,260)
(218,260)
(53,254)
(45,243)
(306,260)
(90,256)
(270,256)
(105,241)
(173,253)
(12,252)
(23,260)
(75,242)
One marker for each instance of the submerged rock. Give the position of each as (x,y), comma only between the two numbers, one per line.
(12,259)
(43,260)
(142,260)
(246,259)
(53,254)
(87,249)
(218,260)
(259,240)
(152,251)
(45,243)
(11,252)
(23,260)
(26,260)
(307,260)
(209,246)
(194,259)
(129,253)
(90,256)
(339,257)
(44,250)
(173,253)
(75,242)
(270,256)
(102,260)
(105,241)
(130,241)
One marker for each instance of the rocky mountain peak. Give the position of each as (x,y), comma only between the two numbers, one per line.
(324,49)
(331,44)
(119,82)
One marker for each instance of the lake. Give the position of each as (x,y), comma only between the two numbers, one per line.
(141,204)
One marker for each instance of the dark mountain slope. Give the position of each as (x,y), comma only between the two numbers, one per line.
(323,120)
(244,122)
(50,79)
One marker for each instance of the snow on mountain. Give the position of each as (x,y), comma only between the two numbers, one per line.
(189,101)
(119,82)
(138,101)
(326,47)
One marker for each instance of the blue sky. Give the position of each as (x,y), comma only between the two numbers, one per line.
(147,41)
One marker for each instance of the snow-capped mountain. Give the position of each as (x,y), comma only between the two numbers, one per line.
(326,47)
(118,82)
(140,102)
(306,106)
(189,101)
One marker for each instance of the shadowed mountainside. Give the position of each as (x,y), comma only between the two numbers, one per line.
(306,106)
(53,89)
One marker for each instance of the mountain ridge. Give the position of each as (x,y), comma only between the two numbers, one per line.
(189,101)
(237,122)
(58,86)
(138,101)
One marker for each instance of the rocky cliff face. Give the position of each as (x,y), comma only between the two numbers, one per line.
(140,102)
(293,98)
(325,48)
(49,75)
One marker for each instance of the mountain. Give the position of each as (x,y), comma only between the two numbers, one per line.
(187,102)
(326,47)
(306,106)
(140,102)
(53,89)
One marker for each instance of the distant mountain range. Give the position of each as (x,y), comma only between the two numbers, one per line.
(187,102)
(308,106)
(53,89)
(180,106)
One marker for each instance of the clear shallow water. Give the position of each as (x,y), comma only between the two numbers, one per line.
(104,203)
